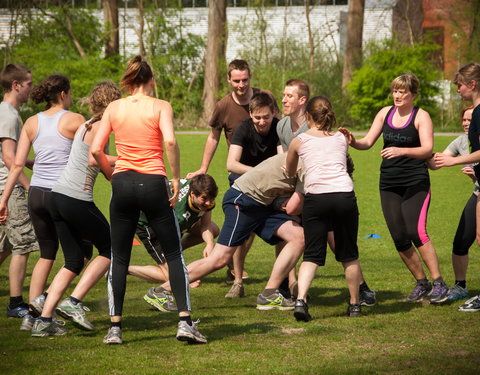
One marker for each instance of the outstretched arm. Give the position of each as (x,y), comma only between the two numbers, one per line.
(210,147)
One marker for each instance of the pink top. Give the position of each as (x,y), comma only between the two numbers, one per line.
(138,137)
(325,163)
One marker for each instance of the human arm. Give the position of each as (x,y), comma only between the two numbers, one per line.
(425,133)
(233,160)
(88,141)
(97,148)
(8,156)
(16,169)
(171,148)
(207,233)
(292,158)
(442,160)
(373,133)
(211,145)
(294,205)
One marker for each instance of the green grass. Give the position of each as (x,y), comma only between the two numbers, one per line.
(393,337)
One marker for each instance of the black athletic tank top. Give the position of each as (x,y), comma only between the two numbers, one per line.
(402,171)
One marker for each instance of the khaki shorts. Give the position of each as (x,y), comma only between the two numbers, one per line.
(17,234)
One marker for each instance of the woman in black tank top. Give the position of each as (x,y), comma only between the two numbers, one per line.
(404,183)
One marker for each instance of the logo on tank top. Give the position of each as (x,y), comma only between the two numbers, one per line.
(395,137)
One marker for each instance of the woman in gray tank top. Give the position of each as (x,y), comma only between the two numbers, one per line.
(77,219)
(50,133)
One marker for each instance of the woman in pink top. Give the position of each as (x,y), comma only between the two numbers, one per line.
(142,124)
(330,202)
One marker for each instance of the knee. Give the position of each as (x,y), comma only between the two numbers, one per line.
(220,261)
(74,265)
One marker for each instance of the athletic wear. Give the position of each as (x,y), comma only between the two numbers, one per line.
(402,170)
(51,150)
(474,136)
(10,123)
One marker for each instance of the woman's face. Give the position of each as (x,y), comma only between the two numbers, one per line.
(465,91)
(402,97)
(467,118)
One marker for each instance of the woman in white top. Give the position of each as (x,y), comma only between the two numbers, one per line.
(330,202)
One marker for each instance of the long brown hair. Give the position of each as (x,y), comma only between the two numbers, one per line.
(138,73)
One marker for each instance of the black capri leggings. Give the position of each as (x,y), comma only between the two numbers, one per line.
(133,192)
(79,224)
(467,228)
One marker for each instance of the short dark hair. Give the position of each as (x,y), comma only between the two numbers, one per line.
(238,64)
(13,72)
(204,183)
(303,88)
(260,100)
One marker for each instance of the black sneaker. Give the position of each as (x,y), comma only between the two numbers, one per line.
(354,310)
(300,312)
(367,297)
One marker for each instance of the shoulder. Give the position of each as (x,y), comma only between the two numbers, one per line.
(72,116)
(162,105)
(422,116)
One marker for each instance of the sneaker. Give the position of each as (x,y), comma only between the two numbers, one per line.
(27,323)
(163,301)
(37,304)
(367,297)
(354,310)
(113,336)
(190,333)
(457,292)
(275,301)
(420,291)
(472,305)
(42,329)
(76,313)
(17,312)
(236,291)
(439,292)
(300,312)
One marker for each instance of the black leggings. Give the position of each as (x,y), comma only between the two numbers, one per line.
(79,224)
(405,210)
(38,208)
(133,192)
(467,228)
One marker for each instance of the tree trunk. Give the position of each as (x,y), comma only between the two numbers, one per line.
(311,43)
(407,21)
(214,56)
(141,27)
(110,17)
(353,51)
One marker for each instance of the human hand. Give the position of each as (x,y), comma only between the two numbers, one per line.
(348,134)
(443,160)
(470,173)
(391,152)
(3,213)
(175,191)
(196,173)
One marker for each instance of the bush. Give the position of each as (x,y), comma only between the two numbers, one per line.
(370,87)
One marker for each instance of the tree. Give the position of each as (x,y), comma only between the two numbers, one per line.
(407,21)
(353,51)
(215,55)
(110,16)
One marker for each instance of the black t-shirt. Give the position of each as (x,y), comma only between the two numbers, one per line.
(256,147)
(474,136)
(402,171)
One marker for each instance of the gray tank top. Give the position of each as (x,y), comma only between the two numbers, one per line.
(51,151)
(78,178)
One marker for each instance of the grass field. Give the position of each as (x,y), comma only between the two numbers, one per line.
(394,337)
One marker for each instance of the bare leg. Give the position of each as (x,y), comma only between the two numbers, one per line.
(331,243)
(153,274)
(352,276)
(412,261)
(59,285)
(92,274)
(39,277)
(16,273)
(239,258)
(460,265)
(306,273)
(429,256)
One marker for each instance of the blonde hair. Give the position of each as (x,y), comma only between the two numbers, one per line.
(407,82)
(102,95)
(321,112)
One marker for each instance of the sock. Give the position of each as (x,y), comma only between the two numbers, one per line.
(46,320)
(422,281)
(187,319)
(462,283)
(116,324)
(45,294)
(439,279)
(16,302)
(268,292)
(74,300)
(33,313)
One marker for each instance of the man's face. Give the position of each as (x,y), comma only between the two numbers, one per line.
(240,81)
(262,119)
(292,102)
(202,202)
(23,89)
